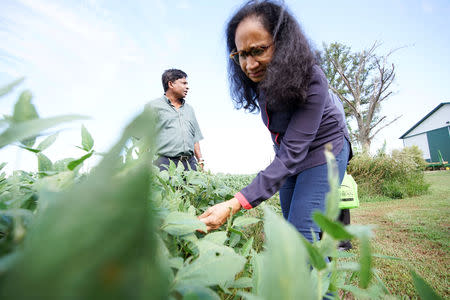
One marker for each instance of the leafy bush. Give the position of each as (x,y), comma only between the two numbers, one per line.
(236,182)
(398,175)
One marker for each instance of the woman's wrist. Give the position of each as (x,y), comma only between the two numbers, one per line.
(235,205)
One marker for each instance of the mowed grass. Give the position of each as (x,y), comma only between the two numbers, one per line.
(415,229)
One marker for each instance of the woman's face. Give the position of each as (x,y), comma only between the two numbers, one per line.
(255,46)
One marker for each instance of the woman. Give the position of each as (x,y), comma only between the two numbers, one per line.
(272,69)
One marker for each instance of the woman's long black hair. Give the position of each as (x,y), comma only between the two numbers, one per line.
(287,77)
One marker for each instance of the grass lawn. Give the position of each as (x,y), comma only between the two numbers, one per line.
(417,230)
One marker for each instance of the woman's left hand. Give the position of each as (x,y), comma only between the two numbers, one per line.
(218,214)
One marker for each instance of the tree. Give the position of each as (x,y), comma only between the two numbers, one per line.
(362,80)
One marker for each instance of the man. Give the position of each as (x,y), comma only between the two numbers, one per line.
(178,130)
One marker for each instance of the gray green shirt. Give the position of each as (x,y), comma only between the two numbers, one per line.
(178,130)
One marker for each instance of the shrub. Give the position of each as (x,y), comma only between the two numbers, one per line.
(398,175)
(236,182)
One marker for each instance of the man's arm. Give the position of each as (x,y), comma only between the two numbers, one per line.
(198,154)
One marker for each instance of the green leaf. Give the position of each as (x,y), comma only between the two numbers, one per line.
(30,149)
(235,231)
(176,262)
(245,221)
(179,223)
(191,210)
(381,284)
(23,109)
(61,165)
(47,142)
(316,259)
(333,196)
(257,262)
(197,292)
(335,229)
(425,291)
(74,163)
(247,247)
(215,265)
(386,256)
(285,273)
(196,180)
(365,262)
(234,239)
(28,129)
(217,237)
(324,279)
(8,88)
(2,165)
(55,183)
(205,247)
(189,189)
(342,254)
(180,168)
(44,164)
(241,283)
(190,237)
(164,175)
(349,266)
(28,142)
(357,292)
(87,142)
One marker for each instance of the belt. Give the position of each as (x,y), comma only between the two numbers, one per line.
(181,157)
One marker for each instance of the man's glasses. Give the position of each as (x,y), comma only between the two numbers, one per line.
(255,52)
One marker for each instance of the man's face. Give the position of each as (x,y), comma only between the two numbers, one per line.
(179,87)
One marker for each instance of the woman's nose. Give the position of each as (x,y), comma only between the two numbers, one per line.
(251,63)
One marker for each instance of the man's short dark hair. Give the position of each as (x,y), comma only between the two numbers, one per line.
(171,75)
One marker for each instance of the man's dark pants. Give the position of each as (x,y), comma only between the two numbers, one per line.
(163,162)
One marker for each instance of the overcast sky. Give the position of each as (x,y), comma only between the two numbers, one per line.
(104,59)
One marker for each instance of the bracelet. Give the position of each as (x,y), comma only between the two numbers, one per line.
(200,160)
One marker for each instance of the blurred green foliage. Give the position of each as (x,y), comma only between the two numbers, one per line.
(124,230)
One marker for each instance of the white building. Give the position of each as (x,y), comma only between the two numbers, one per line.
(431,134)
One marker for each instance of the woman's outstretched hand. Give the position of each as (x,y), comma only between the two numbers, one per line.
(218,214)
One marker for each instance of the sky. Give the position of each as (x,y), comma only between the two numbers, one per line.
(104,59)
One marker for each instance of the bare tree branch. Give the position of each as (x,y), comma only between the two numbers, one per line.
(384,126)
(378,122)
(343,99)
(339,69)
(385,96)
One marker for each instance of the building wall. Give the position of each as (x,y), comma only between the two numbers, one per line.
(439,141)
(438,119)
(420,141)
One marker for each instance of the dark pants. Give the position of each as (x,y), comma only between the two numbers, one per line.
(304,193)
(188,161)
(344,216)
